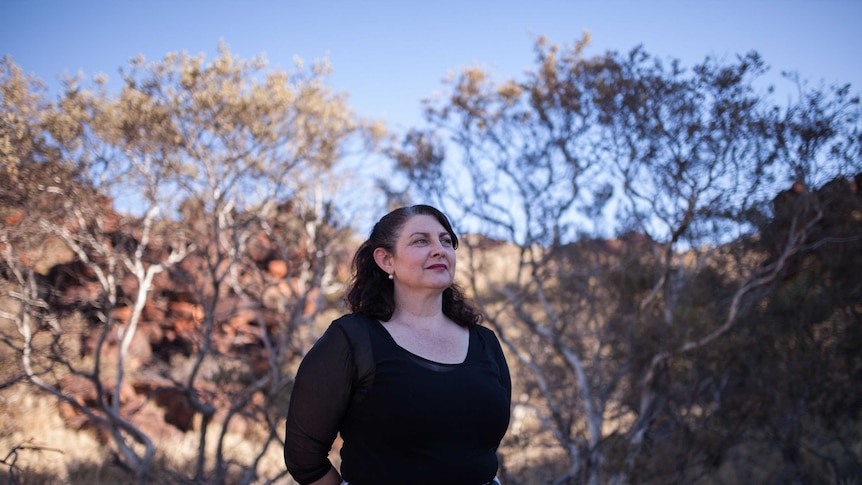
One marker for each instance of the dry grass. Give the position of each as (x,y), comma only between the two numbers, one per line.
(52,453)
(40,450)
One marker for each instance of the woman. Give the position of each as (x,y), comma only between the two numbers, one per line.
(432,402)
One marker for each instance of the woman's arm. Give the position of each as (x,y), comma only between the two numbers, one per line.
(331,478)
(318,402)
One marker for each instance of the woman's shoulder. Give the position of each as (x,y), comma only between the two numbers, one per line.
(355,327)
(487,337)
(484,332)
(344,331)
(352,320)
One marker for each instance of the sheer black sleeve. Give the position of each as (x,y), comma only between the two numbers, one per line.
(505,377)
(318,402)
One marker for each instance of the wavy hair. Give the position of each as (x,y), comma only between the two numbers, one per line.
(371,292)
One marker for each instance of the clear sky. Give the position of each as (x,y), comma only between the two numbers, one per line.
(388,55)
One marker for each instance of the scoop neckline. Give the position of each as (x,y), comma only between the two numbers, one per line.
(424,361)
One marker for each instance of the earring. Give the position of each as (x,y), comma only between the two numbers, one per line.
(391,277)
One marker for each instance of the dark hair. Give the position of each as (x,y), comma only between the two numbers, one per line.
(371,291)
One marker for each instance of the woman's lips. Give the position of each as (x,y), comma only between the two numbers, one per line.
(437,266)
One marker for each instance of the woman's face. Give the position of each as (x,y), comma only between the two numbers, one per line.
(424,258)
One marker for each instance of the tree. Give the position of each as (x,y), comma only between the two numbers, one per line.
(62,208)
(679,168)
(228,176)
(239,150)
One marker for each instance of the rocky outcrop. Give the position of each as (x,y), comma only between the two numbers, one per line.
(173,328)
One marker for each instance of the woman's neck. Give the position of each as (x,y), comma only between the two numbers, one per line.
(418,319)
(419,312)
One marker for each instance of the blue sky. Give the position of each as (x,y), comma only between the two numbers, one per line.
(388,55)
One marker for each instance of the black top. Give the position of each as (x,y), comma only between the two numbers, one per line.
(419,422)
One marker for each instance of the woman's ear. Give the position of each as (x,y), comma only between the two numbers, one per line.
(383,260)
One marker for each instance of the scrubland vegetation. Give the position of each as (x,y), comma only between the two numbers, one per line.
(669,255)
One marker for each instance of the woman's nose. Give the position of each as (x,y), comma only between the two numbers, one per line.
(437,247)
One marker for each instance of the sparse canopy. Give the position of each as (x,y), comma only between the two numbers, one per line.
(670,258)
(636,195)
